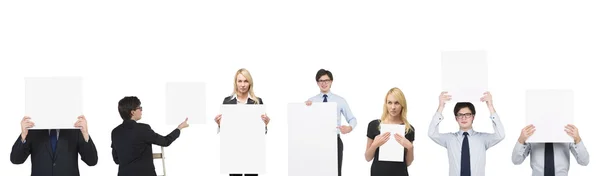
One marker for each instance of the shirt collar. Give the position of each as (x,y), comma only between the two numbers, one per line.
(235,97)
(470,131)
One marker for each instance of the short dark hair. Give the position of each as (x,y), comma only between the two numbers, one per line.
(322,72)
(128,104)
(461,105)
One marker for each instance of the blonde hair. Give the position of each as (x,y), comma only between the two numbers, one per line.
(397,93)
(246,74)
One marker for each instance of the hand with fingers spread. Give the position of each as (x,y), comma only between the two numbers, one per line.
(183,124)
(573,132)
(444,97)
(381,139)
(26,123)
(403,141)
(526,133)
(265,119)
(218,120)
(81,123)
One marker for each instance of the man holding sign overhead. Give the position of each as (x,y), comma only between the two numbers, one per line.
(466,148)
(324,79)
(47,131)
(54,152)
(550,113)
(387,163)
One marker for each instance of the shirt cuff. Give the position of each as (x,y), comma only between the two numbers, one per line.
(494,116)
(521,147)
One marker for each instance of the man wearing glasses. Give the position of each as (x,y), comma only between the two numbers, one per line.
(466,148)
(324,79)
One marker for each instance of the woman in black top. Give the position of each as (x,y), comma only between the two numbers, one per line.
(243,93)
(394,113)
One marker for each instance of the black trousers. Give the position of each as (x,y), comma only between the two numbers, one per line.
(340,155)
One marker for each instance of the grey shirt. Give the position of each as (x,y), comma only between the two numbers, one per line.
(561,156)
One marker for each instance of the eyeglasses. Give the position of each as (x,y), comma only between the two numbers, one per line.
(324,81)
(464,116)
(140,108)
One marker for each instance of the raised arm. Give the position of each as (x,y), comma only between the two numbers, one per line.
(498,135)
(577,148)
(522,149)
(434,131)
(22,148)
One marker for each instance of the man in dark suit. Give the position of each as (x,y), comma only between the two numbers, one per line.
(54,152)
(132,141)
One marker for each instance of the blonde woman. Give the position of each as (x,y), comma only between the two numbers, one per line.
(243,93)
(394,112)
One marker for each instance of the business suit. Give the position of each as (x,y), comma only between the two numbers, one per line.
(63,162)
(233,100)
(132,147)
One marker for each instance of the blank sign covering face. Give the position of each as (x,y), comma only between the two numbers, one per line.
(242,139)
(392,150)
(185,99)
(312,139)
(53,102)
(549,111)
(464,75)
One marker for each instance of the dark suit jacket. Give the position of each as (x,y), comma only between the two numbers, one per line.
(132,147)
(231,100)
(64,162)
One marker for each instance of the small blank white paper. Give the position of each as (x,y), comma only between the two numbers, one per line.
(312,139)
(549,111)
(465,75)
(53,102)
(392,150)
(185,99)
(242,139)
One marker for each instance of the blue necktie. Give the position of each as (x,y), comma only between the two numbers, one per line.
(465,157)
(549,160)
(325,98)
(53,140)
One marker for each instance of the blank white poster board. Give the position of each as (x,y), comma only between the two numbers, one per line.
(465,75)
(392,150)
(53,102)
(549,111)
(185,99)
(242,139)
(312,139)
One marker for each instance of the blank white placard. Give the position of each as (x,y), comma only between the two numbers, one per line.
(392,150)
(465,75)
(185,99)
(242,136)
(312,139)
(549,111)
(53,102)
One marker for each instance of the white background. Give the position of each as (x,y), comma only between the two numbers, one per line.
(133,47)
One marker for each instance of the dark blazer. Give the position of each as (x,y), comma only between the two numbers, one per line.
(64,162)
(132,147)
(231,100)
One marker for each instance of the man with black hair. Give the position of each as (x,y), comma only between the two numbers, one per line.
(324,79)
(132,141)
(466,148)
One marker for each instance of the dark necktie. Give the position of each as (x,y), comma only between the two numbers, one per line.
(549,160)
(325,98)
(465,157)
(53,140)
